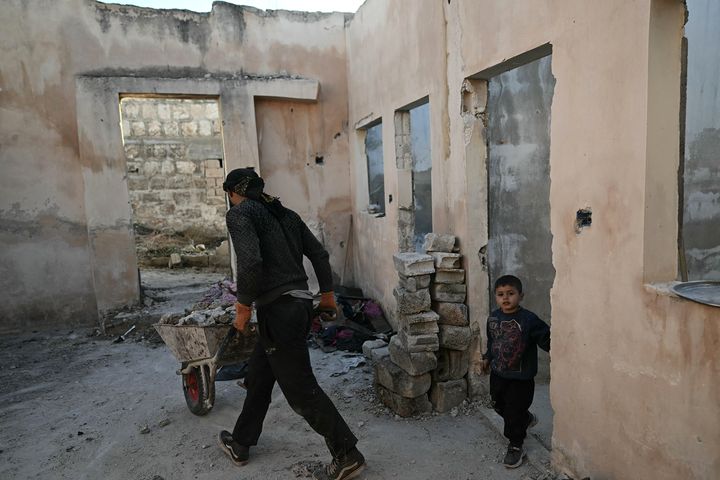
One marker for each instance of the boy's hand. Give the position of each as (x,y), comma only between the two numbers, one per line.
(485,367)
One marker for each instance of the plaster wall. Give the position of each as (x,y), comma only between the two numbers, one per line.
(626,356)
(396,53)
(64,205)
(614,138)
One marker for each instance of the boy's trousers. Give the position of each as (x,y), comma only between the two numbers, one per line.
(511,400)
(281,355)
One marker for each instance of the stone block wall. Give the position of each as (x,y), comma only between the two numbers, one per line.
(174,157)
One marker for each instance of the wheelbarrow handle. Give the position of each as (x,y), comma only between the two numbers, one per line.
(226,341)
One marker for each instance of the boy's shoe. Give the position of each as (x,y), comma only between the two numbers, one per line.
(514,457)
(342,468)
(533,420)
(239,454)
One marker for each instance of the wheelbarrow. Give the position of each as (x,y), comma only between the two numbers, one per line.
(201,350)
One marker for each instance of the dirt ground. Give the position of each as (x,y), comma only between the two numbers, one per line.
(75,405)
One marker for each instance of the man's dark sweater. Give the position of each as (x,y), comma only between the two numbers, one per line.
(270,253)
(512,343)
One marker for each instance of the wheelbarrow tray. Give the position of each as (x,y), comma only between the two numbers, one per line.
(194,342)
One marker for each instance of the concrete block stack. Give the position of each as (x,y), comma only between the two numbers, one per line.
(448,293)
(426,364)
(403,379)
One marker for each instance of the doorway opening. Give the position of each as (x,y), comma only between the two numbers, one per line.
(175,169)
(518,173)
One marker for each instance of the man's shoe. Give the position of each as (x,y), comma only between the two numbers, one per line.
(514,457)
(342,468)
(239,454)
(533,420)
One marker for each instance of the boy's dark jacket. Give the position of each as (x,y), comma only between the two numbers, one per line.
(512,343)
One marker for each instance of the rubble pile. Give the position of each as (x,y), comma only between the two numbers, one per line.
(217,307)
(424,366)
(209,316)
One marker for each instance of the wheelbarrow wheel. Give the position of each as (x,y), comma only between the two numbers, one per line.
(199,391)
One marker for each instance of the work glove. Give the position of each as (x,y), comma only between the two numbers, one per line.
(242,318)
(327,306)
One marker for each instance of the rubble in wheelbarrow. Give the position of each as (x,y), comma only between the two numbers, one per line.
(210,316)
(217,307)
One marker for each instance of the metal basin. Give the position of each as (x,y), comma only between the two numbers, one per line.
(703,291)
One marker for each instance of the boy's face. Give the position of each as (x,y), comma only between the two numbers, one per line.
(508,298)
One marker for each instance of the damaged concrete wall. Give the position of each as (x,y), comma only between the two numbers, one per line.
(416,58)
(625,355)
(621,364)
(701,226)
(64,205)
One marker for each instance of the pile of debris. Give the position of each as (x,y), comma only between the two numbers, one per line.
(217,307)
(359,319)
(210,316)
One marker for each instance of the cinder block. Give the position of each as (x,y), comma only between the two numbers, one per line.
(451,313)
(425,328)
(452,293)
(412,264)
(411,302)
(455,338)
(418,343)
(413,363)
(212,163)
(451,365)
(446,260)
(175,260)
(438,242)
(399,381)
(405,407)
(214,173)
(413,284)
(405,188)
(423,317)
(371,345)
(449,275)
(447,395)
(195,260)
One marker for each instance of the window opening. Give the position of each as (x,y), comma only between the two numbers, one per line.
(375,168)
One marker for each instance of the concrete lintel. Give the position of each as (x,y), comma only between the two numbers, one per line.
(299,89)
(514,62)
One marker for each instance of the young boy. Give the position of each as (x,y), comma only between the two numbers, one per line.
(513,335)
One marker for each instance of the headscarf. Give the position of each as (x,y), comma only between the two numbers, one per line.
(246,182)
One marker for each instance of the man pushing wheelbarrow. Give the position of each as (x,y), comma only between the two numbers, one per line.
(270,241)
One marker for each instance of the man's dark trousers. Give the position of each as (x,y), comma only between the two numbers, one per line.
(511,400)
(282,355)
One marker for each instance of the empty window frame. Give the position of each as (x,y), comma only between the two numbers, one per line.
(422,169)
(375,169)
